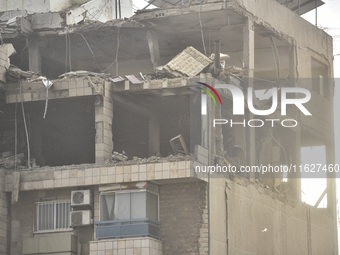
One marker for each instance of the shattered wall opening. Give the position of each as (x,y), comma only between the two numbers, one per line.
(314,190)
(143,124)
(20,59)
(272,58)
(65,137)
(91,50)
(320,81)
(130,132)
(67,134)
(275,146)
(233,136)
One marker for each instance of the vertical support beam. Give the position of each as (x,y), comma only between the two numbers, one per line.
(316,12)
(4,238)
(331,191)
(153,47)
(331,159)
(249,65)
(154,136)
(293,64)
(294,179)
(249,50)
(34,56)
(16,187)
(103,120)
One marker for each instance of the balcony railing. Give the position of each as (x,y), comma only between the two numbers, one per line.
(127,228)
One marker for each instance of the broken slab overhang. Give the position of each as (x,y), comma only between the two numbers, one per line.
(56,18)
(54,177)
(305,5)
(172,3)
(301,6)
(211,19)
(186,86)
(176,28)
(94,10)
(62,88)
(55,23)
(35,22)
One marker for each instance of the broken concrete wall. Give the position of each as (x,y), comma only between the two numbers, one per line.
(218,217)
(260,224)
(30,6)
(99,10)
(46,21)
(285,24)
(305,39)
(182,208)
(35,6)
(6,50)
(62,88)
(57,5)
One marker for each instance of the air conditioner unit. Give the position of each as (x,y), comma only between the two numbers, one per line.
(80,197)
(81,218)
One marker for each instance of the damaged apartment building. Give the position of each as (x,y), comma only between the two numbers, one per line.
(101,128)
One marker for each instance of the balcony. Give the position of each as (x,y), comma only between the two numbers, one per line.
(132,245)
(127,228)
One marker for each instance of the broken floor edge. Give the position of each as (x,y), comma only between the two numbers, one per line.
(181,171)
(13,96)
(143,19)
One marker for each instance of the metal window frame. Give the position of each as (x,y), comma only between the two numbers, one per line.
(103,193)
(54,229)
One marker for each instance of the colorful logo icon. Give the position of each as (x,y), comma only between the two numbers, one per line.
(209,93)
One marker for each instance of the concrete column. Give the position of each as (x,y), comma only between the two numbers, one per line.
(3,215)
(153,47)
(331,192)
(103,119)
(34,56)
(294,179)
(331,189)
(292,64)
(249,65)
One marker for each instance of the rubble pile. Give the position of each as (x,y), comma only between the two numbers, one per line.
(14,74)
(118,157)
(122,158)
(7,160)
